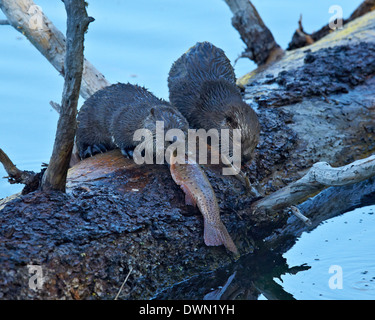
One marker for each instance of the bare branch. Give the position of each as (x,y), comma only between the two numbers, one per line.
(316,179)
(29,178)
(4,22)
(14,174)
(77,24)
(28,18)
(55,106)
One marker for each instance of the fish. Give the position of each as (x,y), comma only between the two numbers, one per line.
(198,192)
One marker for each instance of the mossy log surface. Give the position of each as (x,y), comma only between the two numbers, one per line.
(315,104)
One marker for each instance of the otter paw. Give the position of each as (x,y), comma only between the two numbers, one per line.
(127,153)
(98,148)
(93,150)
(102,147)
(87,153)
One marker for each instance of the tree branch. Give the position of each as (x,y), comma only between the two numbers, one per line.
(261,45)
(316,179)
(301,38)
(77,24)
(29,178)
(28,18)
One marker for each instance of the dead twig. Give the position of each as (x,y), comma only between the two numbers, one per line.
(126,279)
(14,174)
(302,38)
(30,179)
(55,106)
(294,210)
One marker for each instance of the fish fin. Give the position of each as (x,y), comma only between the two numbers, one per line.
(216,235)
(189,199)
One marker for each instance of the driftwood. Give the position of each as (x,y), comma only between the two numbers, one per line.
(314,105)
(30,179)
(320,176)
(50,42)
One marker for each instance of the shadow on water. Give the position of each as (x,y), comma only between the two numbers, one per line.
(297,267)
(247,279)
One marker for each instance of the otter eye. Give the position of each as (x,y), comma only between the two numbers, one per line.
(231,121)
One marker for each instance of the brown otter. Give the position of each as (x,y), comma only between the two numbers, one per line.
(202,85)
(109,118)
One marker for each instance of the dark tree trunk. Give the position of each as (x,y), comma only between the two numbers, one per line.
(261,46)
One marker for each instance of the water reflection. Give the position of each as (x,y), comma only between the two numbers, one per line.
(300,273)
(339,251)
(298,264)
(247,279)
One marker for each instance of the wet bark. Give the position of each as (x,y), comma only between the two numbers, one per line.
(320,176)
(314,105)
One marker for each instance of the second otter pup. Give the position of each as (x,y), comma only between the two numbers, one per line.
(202,85)
(109,118)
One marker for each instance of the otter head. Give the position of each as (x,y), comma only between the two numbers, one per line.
(169,118)
(242,116)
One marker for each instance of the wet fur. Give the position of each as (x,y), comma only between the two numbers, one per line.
(202,86)
(110,117)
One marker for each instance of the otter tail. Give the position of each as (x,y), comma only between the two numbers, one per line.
(216,235)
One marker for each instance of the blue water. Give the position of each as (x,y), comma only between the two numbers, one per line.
(137,41)
(346,244)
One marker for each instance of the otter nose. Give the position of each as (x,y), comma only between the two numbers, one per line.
(246,157)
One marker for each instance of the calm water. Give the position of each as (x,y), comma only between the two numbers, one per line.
(332,262)
(137,41)
(346,244)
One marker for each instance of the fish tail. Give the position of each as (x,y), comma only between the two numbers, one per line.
(216,235)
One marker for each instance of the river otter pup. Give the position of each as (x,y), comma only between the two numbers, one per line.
(109,118)
(202,85)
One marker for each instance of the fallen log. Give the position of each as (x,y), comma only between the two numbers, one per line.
(118,216)
(321,175)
